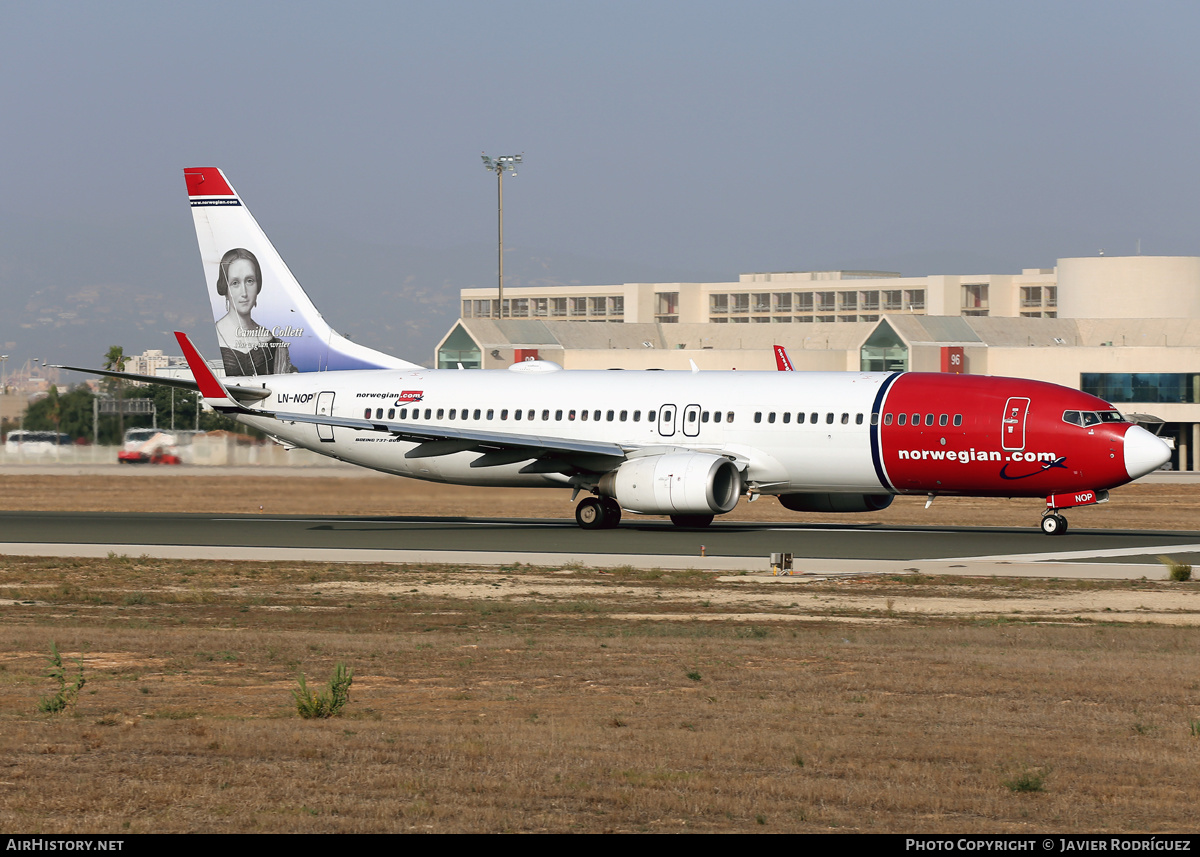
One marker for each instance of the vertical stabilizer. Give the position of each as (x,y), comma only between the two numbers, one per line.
(266,324)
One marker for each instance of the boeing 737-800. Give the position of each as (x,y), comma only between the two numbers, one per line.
(687,445)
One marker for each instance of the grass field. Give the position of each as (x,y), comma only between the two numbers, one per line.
(522,699)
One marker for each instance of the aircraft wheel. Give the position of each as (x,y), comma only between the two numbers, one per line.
(612,512)
(1054,525)
(590,514)
(694,522)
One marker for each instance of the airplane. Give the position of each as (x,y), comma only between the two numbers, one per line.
(688,445)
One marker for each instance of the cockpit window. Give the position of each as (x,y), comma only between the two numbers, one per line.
(1091,418)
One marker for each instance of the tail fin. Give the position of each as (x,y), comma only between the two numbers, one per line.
(266,324)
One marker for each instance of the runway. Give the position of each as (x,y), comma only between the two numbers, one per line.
(725,546)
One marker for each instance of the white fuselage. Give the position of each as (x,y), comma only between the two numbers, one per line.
(739,414)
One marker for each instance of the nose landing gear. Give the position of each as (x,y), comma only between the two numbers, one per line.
(1054,524)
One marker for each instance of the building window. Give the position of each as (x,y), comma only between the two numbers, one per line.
(975,299)
(783,302)
(558,307)
(914,298)
(804,302)
(718,304)
(1031,296)
(826,301)
(893,300)
(761,302)
(741,303)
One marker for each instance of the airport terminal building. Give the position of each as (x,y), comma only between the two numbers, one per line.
(1126,328)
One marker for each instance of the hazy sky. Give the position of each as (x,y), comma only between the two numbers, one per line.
(924,137)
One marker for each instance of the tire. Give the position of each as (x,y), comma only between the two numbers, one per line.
(1062,528)
(612,512)
(692,522)
(1053,525)
(590,514)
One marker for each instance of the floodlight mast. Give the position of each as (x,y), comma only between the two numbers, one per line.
(499,166)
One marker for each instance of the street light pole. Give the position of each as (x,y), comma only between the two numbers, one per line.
(498,166)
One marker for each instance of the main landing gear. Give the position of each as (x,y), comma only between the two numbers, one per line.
(598,513)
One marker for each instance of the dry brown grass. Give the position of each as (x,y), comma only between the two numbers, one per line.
(517,699)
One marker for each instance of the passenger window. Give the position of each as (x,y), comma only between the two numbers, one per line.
(570,415)
(504,414)
(453,412)
(916,419)
(943,419)
(609,416)
(637,416)
(859,417)
(814,418)
(800,417)
(716,416)
(404,413)
(829,419)
(901,419)
(649,416)
(558,415)
(771,417)
(929,419)
(729,416)
(787,417)
(441,413)
(758,416)
(596,416)
(887,419)
(428,413)
(545,416)
(583,415)
(477,414)
(624,416)
(491,413)
(845,419)
(367,414)
(704,416)
(958,419)
(391,413)
(517,414)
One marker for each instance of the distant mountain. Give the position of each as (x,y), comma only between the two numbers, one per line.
(68,291)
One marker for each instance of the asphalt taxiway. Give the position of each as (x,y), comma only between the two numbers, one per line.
(649,543)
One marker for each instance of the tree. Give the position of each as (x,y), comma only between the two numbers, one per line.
(114,360)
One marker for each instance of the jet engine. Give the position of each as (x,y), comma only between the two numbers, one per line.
(836,502)
(682,483)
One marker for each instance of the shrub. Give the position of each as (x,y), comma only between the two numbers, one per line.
(1177,571)
(1027,781)
(66,695)
(328,703)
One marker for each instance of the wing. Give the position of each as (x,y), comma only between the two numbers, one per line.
(546,454)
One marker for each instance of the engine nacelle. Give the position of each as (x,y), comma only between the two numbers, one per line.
(836,502)
(678,483)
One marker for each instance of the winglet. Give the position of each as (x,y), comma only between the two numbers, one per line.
(210,385)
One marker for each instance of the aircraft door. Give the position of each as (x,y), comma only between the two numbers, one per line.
(691,420)
(666,420)
(1016,409)
(325,409)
